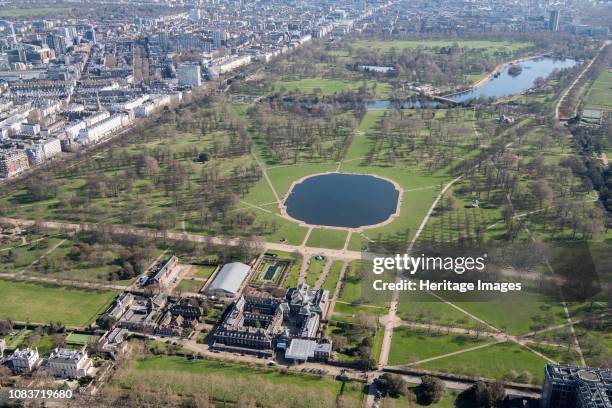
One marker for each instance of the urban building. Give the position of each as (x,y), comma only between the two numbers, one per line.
(189,75)
(165,273)
(262,325)
(13,163)
(65,363)
(95,132)
(228,281)
(24,360)
(568,386)
(553,22)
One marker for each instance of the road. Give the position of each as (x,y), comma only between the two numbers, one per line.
(306,251)
(575,81)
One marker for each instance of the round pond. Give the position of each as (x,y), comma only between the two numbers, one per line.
(342,200)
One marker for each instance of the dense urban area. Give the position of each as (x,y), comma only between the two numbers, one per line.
(193,194)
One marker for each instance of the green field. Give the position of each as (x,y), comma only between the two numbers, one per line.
(526,313)
(188,285)
(331,280)
(600,94)
(314,270)
(331,86)
(35,11)
(229,382)
(327,238)
(202,271)
(42,304)
(81,339)
(412,345)
(496,361)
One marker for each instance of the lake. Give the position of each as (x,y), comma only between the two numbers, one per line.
(342,200)
(505,84)
(502,85)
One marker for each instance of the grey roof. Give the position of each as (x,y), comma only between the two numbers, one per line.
(303,349)
(300,349)
(230,277)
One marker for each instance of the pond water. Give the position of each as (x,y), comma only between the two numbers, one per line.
(410,103)
(342,200)
(505,84)
(502,85)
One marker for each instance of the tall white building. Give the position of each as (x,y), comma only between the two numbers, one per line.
(43,150)
(69,363)
(95,132)
(189,75)
(24,361)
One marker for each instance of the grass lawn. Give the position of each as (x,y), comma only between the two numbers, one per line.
(332,277)
(600,94)
(79,338)
(411,345)
(418,308)
(361,143)
(41,304)
(229,381)
(331,86)
(327,238)
(202,271)
(188,285)
(496,361)
(314,270)
(35,11)
(526,312)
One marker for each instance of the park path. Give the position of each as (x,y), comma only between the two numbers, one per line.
(575,81)
(324,273)
(391,320)
(37,260)
(304,269)
(62,282)
(454,353)
(334,296)
(206,239)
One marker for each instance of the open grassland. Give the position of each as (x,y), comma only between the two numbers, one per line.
(411,345)
(315,268)
(327,238)
(600,94)
(424,309)
(331,280)
(527,313)
(497,361)
(332,86)
(42,304)
(35,11)
(222,381)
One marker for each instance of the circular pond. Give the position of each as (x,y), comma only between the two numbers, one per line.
(342,200)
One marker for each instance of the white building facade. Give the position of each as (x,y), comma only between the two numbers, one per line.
(67,363)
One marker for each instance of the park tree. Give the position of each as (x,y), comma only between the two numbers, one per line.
(542,191)
(483,395)
(430,391)
(392,385)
